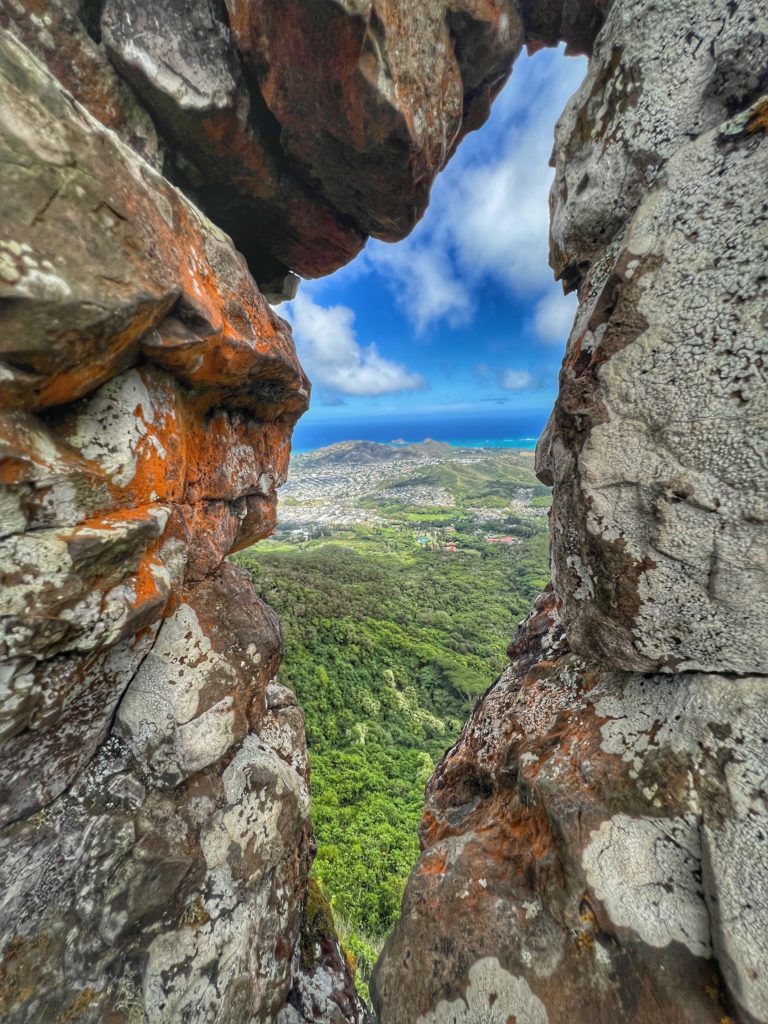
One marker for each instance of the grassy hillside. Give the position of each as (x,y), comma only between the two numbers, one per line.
(489,484)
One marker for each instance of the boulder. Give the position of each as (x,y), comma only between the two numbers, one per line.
(125,901)
(300,128)
(574,22)
(597,837)
(102,257)
(63,35)
(182,63)
(388,88)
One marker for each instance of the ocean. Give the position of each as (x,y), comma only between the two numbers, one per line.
(514,431)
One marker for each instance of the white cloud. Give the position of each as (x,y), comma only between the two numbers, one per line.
(500,214)
(489,213)
(554,315)
(332,356)
(506,379)
(516,380)
(424,283)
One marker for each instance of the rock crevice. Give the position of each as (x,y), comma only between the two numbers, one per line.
(598,835)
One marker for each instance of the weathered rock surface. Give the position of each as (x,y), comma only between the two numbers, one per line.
(574,22)
(103,256)
(317,995)
(181,61)
(595,839)
(153,778)
(123,901)
(59,33)
(105,264)
(656,446)
(388,88)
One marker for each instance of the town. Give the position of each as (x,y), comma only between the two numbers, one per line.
(437,492)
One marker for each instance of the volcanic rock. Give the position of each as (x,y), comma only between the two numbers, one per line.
(596,841)
(597,838)
(154,799)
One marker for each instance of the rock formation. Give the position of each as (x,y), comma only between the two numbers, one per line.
(597,838)
(156,839)
(597,841)
(299,127)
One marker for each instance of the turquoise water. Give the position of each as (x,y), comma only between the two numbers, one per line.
(495,442)
(520,431)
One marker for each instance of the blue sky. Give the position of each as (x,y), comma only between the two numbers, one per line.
(463,316)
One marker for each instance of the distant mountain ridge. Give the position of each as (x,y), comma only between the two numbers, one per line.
(372,451)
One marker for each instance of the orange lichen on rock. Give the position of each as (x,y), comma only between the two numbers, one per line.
(140,252)
(758,121)
(155,410)
(433,863)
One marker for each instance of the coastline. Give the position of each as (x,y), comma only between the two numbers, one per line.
(517,443)
(522,432)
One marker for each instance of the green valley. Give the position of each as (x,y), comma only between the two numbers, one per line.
(399,575)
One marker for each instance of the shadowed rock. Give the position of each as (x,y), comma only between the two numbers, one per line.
(388,88)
